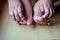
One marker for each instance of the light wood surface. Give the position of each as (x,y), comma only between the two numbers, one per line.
(12,31)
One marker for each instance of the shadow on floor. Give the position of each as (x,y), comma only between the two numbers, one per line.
(56,17)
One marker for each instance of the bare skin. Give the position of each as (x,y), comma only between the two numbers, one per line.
(43,10)
(28,9)
(16,11)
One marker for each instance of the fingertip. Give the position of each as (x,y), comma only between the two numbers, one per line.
(42,9)
(29,23)
(49,23)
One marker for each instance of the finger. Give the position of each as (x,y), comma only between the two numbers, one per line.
(37,13)
(46,14)
(20,12)
(42,9)
(21,16)
(16,15)
(50,13)
(28,8)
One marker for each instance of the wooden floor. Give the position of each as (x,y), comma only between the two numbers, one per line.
(13,31)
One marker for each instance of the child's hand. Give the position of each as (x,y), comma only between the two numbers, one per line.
(16,11)
(43,10)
